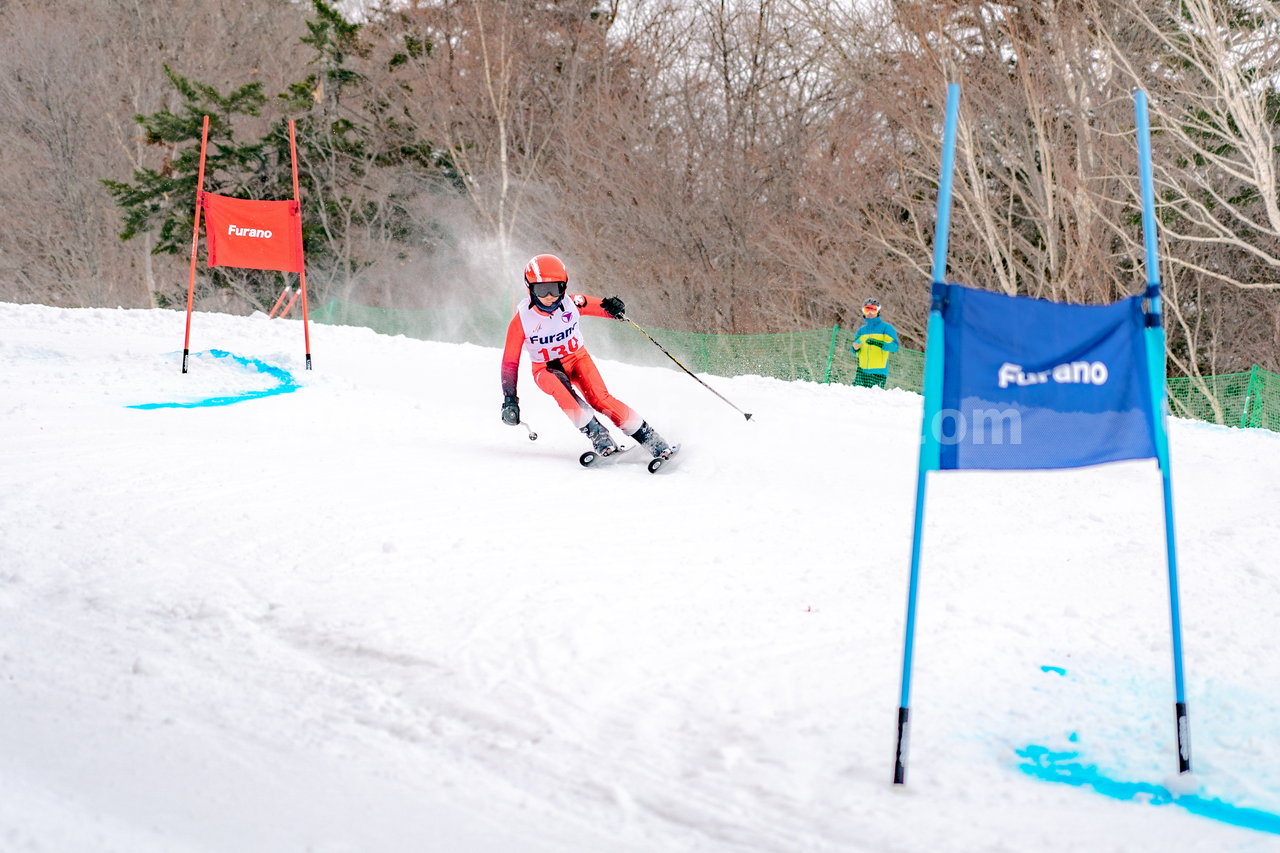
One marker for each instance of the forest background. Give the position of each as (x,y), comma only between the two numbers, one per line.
(735,167)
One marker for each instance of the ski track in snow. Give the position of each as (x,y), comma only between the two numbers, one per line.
(367,615)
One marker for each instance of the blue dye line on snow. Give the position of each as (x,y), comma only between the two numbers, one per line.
(1056,669)
(286,385)
(1051,766)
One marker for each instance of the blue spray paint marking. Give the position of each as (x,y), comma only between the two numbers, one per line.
(1057,669)
(1044,763)
(286,385)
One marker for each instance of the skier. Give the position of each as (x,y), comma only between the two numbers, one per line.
(872,343)
(548,328)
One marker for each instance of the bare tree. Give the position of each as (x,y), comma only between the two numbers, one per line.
(72,76)
(698,146)
(489,85)
(1216,107)
(1040,137)
(1215,114)
(729,166)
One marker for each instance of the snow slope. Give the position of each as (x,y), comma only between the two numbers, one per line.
(355,612)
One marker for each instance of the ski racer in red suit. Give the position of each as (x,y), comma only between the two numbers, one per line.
(548,327)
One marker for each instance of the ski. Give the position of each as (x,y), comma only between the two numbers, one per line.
(657,463)
(592,458)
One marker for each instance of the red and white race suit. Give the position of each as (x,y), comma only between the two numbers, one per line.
(562,367)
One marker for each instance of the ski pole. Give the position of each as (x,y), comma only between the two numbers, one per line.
(533,436)
(746,415)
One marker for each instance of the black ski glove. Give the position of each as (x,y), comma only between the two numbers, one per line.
(613,307)
(511,410)
(874,343)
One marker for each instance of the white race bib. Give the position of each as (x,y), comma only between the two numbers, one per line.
(548,337)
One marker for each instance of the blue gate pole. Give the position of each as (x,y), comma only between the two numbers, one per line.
(929,446)
(1155,339)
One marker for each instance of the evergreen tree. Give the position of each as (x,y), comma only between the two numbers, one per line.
(359,171)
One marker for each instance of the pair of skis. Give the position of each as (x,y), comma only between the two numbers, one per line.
(591,458)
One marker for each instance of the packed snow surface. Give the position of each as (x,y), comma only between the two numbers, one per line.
(259,608)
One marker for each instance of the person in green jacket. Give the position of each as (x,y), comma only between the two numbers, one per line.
(872,343)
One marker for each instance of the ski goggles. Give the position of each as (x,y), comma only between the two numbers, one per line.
(547,288)
(868,310)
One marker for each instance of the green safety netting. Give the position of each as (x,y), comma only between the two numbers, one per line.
(449,324)
(1249,399)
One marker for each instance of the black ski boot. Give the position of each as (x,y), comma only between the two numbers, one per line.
(600,438)
(652,442)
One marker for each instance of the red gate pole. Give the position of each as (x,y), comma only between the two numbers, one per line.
(289,305)
(195,244)
(302,272)
(279,301)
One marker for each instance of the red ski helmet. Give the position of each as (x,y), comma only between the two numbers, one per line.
(548,271)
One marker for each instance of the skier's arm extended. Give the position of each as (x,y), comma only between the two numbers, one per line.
(511,356)
(591,306)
